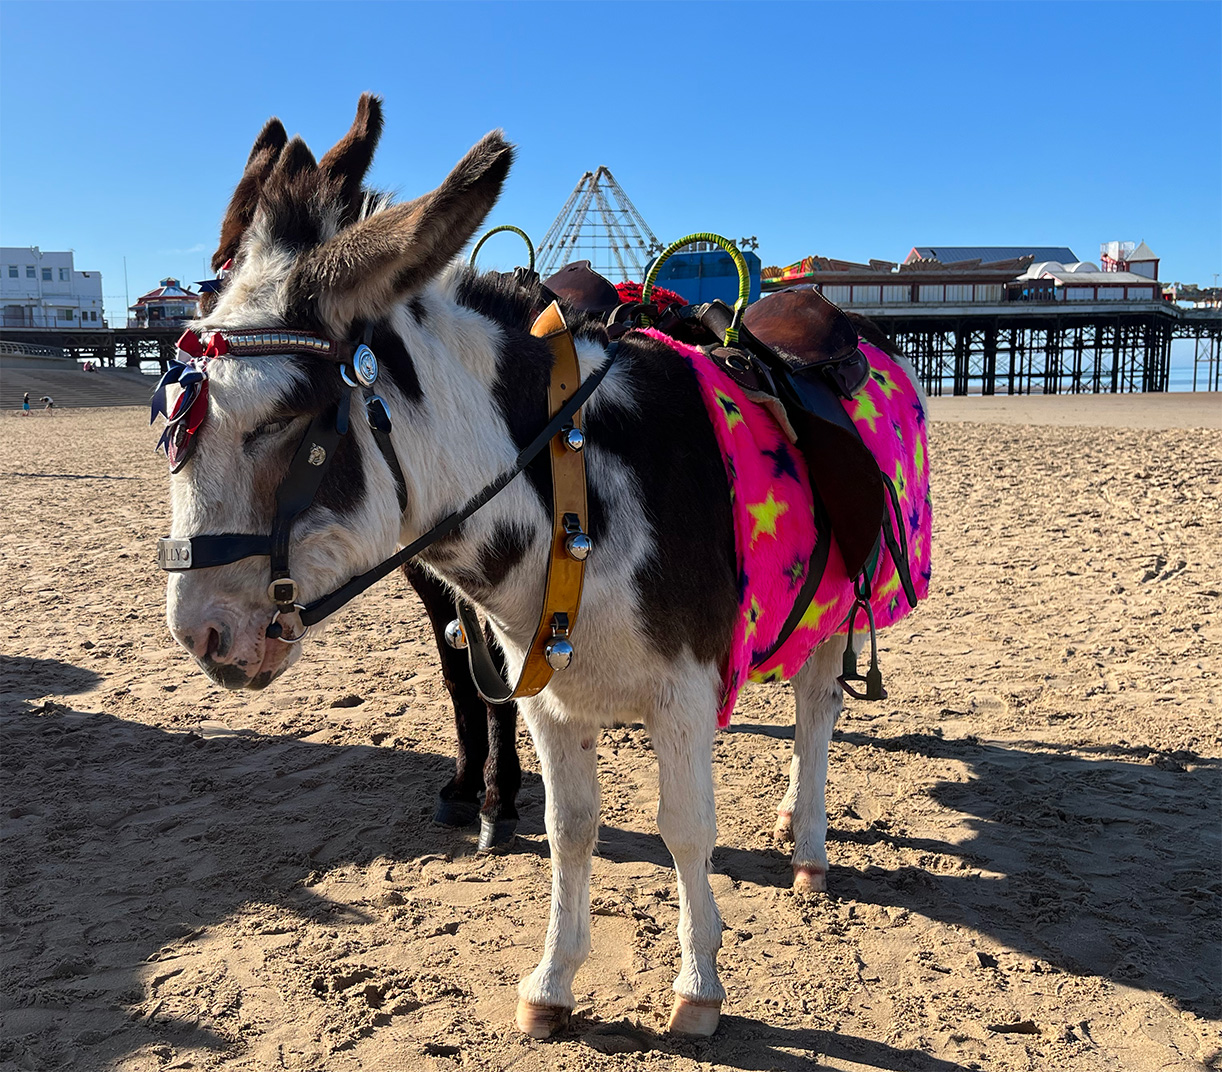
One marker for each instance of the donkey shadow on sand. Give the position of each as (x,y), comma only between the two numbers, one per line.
(127,842)
(1108,863)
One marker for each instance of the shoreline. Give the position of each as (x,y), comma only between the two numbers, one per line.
(1149,411)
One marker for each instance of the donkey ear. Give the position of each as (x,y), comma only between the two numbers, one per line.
(366,268)
(241,211)
(345,165)
(295,159)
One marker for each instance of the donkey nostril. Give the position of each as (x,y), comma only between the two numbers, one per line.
(212,647)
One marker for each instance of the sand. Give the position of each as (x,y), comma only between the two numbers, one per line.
(1024,838)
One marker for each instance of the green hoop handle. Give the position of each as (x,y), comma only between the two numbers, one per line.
(505,227)
(744,278)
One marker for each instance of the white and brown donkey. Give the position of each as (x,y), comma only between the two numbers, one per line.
(466,386)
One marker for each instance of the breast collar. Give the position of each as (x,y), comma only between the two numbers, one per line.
(550,649)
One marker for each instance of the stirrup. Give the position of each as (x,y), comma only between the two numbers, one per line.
(873,677)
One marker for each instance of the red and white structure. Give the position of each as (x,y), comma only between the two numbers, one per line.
(1137,258)
(170,305)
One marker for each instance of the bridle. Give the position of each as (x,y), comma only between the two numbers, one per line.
(358,368)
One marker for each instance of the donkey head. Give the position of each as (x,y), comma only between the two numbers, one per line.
(307,249)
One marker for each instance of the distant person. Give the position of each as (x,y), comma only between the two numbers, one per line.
(49,404)
(25,404)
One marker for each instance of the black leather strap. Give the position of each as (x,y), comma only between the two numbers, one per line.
(893,524)
(814,574)
(329,604)
(379,424)
(310,463)
(489,680)
(205,551)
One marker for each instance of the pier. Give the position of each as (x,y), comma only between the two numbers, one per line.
(1049,348)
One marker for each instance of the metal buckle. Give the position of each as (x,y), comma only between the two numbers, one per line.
(276,629)
(173,554)
(283,591)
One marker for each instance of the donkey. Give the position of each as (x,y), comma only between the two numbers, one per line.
(466,386)
(487,760)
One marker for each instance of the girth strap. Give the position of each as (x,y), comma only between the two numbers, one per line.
(565,570)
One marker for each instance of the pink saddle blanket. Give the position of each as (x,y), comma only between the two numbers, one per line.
(774,522)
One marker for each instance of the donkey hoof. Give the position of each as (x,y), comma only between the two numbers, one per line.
(783,831)
(540,1021)
(694,1016)
(809,878)
(456,812)
(496,833)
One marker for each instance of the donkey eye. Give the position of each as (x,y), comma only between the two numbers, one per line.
(268,428)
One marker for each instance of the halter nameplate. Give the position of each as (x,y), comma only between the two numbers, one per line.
(173,554)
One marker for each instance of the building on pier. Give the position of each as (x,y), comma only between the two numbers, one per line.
(42,289)
(997,320)
(170,304)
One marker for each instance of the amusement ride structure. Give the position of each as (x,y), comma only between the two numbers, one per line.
(599,223)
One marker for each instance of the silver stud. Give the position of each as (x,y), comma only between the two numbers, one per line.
(365,365)
(579,546)
(574,439)
(559,653)
(318,454)
(456,637)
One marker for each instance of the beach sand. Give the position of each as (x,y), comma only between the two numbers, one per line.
(1024,838)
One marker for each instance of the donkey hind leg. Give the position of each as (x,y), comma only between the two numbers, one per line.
(458,801)
(682,734)
(568,757)
(819,701)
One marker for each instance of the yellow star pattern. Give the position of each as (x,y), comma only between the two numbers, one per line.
(753,617)
(886,382)
(920,456)
(815,612)
(766,515)
(864,409)
(892,585)
(729,408)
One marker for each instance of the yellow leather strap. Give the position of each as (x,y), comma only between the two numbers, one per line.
(565,574)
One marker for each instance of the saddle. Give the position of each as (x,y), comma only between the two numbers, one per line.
(797,349)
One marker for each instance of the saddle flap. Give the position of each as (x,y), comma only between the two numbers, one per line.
(805,325)
(583,288)
(842,469)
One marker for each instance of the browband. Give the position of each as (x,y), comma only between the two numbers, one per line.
(260,342)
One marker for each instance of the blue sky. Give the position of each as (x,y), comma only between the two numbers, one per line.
(848,130)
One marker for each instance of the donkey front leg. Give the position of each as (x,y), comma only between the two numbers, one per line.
(568,757)
(683,742)
(819,702)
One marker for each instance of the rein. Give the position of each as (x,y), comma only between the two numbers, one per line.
(293,620)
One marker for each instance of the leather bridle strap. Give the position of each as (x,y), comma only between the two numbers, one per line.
(566,560)
(310,463)
(327,605)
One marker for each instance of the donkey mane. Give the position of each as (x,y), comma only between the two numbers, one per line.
(505,299)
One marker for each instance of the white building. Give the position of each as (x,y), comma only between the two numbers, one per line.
(1083,281)
(44,290)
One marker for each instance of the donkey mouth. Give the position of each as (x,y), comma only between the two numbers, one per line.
(236,676)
